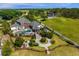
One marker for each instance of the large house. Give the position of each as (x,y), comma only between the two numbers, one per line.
(21,26)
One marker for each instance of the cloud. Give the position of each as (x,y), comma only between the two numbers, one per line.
(4,6)
(22,5)
(61,5)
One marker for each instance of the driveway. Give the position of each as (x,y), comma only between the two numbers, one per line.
(38,38)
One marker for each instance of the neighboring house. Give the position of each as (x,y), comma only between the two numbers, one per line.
(51,14)
(21,26)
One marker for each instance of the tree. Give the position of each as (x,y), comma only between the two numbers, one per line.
(6,27)
(44,33)
(18,42)
(6,49)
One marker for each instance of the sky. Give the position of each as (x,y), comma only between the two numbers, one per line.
(37,5)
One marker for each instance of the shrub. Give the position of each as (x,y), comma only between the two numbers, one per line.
(49,35)
(32,40)
(43,33)
(33,43)
(6,49)
(43,40)
(33,37)
(52,41)
(30,44)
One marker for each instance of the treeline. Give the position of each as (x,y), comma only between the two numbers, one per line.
(9,14)
(65,12)
(69,13)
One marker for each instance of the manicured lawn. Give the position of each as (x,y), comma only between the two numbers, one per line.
(57,42)
(27,53)
(65,51)
(59,51)
(66,26)
(26,38)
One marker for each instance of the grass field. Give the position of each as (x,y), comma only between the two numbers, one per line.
(65,51)
(60,51)
(66,26)
(57,42)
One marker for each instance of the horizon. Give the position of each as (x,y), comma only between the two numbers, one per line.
(37,5)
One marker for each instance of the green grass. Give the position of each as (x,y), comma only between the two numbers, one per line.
(66,26)
(38,48)
(27,53)
(59,51)
(57,42)
(65,51)
(1,33)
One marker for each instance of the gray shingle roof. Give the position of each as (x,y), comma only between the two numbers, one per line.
(35,25)
(15,25)
(23,20)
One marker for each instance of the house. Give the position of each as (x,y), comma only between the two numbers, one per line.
(21,26)
(51,14)
(36,26)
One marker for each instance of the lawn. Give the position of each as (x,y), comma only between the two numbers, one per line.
(66,26)
(57,42)
(27,53)
(59,51)
(64,50)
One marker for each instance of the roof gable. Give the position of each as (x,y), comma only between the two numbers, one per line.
(23,20)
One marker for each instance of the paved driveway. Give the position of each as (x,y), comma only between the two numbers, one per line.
(38,38)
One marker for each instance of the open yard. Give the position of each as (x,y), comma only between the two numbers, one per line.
(59,51)
(66,26)
(65,51)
